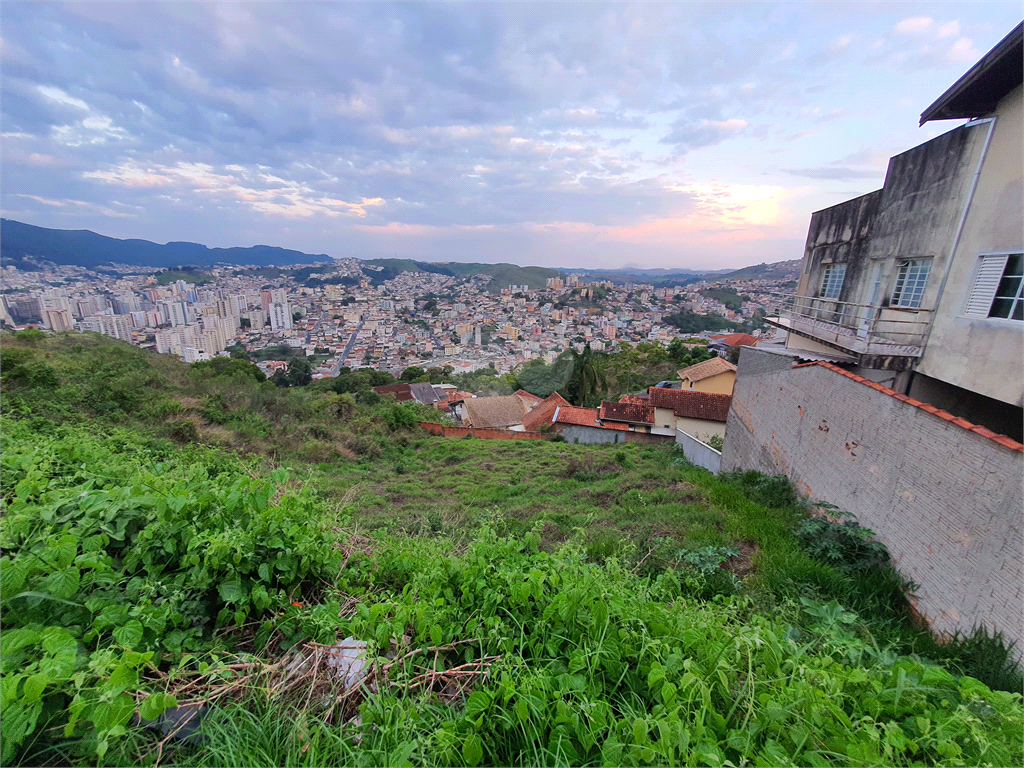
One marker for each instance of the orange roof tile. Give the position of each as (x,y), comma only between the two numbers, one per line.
(688,404)
(572,414)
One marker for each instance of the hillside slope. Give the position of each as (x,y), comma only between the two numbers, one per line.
(20,242)
(180,534)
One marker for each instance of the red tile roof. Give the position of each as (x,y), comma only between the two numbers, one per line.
(1007,442)
(571,414)
(528,396)
(739,340)
(402,392)
(637,399)
(543,412)
(687,404)
(633,413)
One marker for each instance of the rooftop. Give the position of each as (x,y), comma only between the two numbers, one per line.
(705,370)
(631,413)
(706,406)
(505,411)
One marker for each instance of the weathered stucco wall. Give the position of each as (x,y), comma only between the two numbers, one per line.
(721,384)
(981,354)
(914,216)
(945,500)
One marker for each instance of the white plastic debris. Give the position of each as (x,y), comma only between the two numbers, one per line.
(347,660)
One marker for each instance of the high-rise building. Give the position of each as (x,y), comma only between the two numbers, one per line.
(280,317)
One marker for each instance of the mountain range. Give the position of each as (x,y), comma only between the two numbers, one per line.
(25,246)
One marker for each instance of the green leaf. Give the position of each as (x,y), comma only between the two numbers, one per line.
(107,715)
(34,687)
(522,710)
(264,571)
(64,584)
(129,635)
(231,590)
(154,705)
(435,634)
(121,679)
(472,750)
(477,704)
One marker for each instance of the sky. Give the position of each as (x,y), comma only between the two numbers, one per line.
(673,135)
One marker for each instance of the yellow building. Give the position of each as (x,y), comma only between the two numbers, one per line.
(714,375)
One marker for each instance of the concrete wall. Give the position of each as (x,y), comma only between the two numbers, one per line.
(980,354)
(701,454)
(598,436)
(943,495)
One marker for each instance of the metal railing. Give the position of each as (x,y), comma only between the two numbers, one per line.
(860,325)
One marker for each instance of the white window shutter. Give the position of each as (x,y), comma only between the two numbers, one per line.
(985,283)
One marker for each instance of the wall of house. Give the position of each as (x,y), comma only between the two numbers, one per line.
(598,436)
(663,416)
(915,215)
(700,427)
(699,453)
(943,497)
(984,355)
(721,384)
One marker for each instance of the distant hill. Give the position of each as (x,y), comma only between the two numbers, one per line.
(502,275)
(780,270)
(22,244)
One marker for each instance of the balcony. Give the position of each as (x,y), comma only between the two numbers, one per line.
(862,329)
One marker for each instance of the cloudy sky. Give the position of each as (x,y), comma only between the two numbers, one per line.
(647,134)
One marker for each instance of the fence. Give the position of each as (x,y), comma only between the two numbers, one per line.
(696,452)
(446,430)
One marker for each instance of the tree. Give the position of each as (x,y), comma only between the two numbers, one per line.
(299,372)
(238,352)
(412,373)
(588,377)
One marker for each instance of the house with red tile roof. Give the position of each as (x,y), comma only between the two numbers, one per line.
(637,417)
(699,414)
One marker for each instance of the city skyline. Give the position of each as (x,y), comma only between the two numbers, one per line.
(695,136)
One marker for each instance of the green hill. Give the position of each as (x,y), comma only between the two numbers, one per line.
(195,535)
(502,274)
(781,270)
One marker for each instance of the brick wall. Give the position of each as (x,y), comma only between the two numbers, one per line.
(945,497)
(575,433)
(444,430)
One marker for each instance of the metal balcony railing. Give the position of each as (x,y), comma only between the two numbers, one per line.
(861,328)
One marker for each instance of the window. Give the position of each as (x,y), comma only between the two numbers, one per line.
(832,280)
(911,276)
(997,288)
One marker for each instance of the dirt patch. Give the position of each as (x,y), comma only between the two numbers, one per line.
(742,564)
(686,493)
(551,536)
(397,499)
(653,531)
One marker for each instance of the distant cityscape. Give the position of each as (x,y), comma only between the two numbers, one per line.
(343,320)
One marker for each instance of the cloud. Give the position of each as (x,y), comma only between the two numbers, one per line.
(834,172)
(704,133)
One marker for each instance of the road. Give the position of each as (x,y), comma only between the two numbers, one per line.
(340,360)
(309,334)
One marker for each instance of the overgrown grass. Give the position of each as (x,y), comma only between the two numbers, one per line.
(633,608)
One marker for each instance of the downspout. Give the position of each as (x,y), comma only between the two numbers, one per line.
(956,238)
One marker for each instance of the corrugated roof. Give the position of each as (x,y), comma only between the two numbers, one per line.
(705,370)
(504,411)
(632,413)
(687,404)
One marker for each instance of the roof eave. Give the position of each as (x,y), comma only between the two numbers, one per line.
(1005,56)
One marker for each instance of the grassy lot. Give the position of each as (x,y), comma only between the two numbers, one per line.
(190,534)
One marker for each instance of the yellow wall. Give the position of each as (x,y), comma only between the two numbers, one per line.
(700,428)
(695,427)
(721,384)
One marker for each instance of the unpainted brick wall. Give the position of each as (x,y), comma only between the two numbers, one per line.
(444,430)
(946,501)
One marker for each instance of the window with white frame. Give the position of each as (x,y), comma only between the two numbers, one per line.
(832,280)
(911,278)
(997,288)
